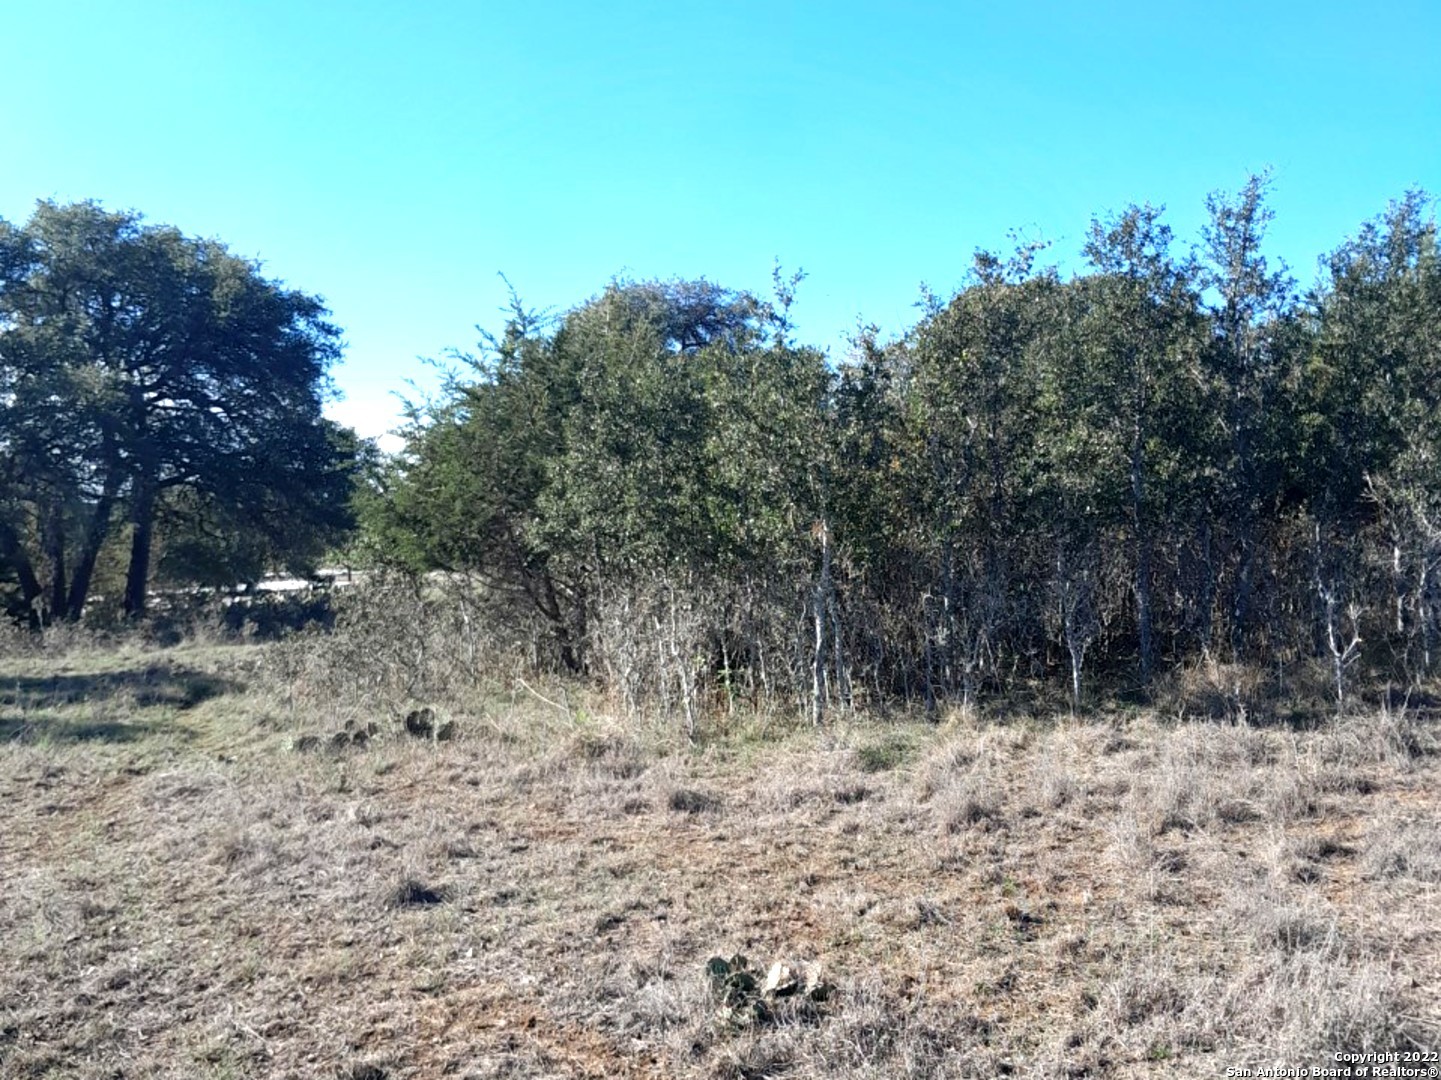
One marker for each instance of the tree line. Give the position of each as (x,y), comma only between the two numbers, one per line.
(160,402)
(1088,478)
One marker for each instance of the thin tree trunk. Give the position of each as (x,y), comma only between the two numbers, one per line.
(1144,620)
(1207,599)
(1143,560)
(820,602)
(55,549)
(1429,608)
(1241,608)
(1078,654)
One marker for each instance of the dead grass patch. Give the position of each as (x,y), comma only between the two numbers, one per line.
(540,896)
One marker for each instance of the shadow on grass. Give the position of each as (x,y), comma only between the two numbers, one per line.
(29,704)
(59,731)
(156,685)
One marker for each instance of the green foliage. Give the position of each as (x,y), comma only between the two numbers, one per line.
(694,436)
(145,375)
(1091,477)
(1370,396)
(659,426)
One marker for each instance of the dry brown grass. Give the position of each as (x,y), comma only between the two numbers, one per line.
(185,894)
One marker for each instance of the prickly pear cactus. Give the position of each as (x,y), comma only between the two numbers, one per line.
(749,995)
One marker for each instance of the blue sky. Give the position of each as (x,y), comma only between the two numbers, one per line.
(394,158)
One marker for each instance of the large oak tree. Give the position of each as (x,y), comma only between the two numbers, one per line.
(142,371)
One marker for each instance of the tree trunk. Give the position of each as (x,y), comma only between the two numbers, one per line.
(13,553)
(1144,622)
(820,603)
(1143,558)
(55,549)
(137,575)
(1427,590)
(1206,603)
(1078,657)
(89,553)
(1241,606)
(549,602)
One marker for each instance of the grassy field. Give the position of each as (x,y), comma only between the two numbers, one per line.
(203,873)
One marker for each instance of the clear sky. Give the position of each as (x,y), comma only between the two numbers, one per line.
(394,157)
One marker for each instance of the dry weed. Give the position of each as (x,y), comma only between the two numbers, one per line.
(187,895)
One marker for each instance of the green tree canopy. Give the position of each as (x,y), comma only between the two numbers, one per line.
(138,362)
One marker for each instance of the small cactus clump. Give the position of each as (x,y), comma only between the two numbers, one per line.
(747,996)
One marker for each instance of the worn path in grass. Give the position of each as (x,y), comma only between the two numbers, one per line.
(186,895)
